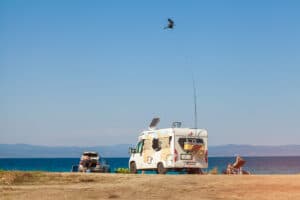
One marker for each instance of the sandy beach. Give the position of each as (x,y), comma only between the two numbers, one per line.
(41,185)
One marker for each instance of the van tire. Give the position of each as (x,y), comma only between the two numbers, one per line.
(133,169)
(161,169)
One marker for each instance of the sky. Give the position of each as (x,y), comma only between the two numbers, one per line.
(85,73)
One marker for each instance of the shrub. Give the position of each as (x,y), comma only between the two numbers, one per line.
(214,171)
(122,170)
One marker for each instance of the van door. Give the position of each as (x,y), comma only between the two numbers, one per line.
(138,155)
(148,154)
(191,149)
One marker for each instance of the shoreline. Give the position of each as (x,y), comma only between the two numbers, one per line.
(255,165)
(53,185)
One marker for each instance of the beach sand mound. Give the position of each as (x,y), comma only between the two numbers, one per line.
(42,185)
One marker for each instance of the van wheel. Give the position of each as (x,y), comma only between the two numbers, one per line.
(161,169)
(133,169)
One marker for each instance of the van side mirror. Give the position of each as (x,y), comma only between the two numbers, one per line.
(132,150)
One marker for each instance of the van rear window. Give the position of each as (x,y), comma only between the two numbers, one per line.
(181,141)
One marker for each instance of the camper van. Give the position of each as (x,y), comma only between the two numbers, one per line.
(170,149)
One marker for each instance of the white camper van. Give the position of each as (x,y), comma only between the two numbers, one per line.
(167,149)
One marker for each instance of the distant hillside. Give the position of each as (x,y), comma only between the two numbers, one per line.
(121,150)
(33,151)
(253,150)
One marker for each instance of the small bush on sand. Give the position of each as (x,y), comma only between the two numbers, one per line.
(122,170)
(214,171)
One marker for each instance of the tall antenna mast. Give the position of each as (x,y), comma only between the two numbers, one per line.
(195,104)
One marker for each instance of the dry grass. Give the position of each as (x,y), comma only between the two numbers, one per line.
(37,178)
(14,178)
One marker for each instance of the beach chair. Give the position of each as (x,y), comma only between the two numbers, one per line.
(238,164)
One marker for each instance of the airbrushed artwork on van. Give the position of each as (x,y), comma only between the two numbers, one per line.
(173,148)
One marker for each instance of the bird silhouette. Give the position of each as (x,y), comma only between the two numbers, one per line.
(170,24)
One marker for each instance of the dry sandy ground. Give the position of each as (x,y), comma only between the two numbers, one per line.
(39,185)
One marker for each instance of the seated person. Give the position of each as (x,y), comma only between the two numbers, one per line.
(229,169)
(239,162)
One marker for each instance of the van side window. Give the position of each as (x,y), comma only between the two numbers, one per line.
(139,147)
(156,144)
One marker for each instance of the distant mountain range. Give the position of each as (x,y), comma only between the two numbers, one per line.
(254,150)
(121,150)
(34,151)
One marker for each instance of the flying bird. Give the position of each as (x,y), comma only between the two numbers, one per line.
(170,24)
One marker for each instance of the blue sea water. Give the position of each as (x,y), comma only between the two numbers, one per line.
(256,165)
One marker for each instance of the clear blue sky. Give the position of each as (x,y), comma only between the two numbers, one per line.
(96,72)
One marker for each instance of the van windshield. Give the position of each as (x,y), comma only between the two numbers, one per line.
(90,154)
(197,141)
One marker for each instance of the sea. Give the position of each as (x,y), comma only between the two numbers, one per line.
(255,165)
